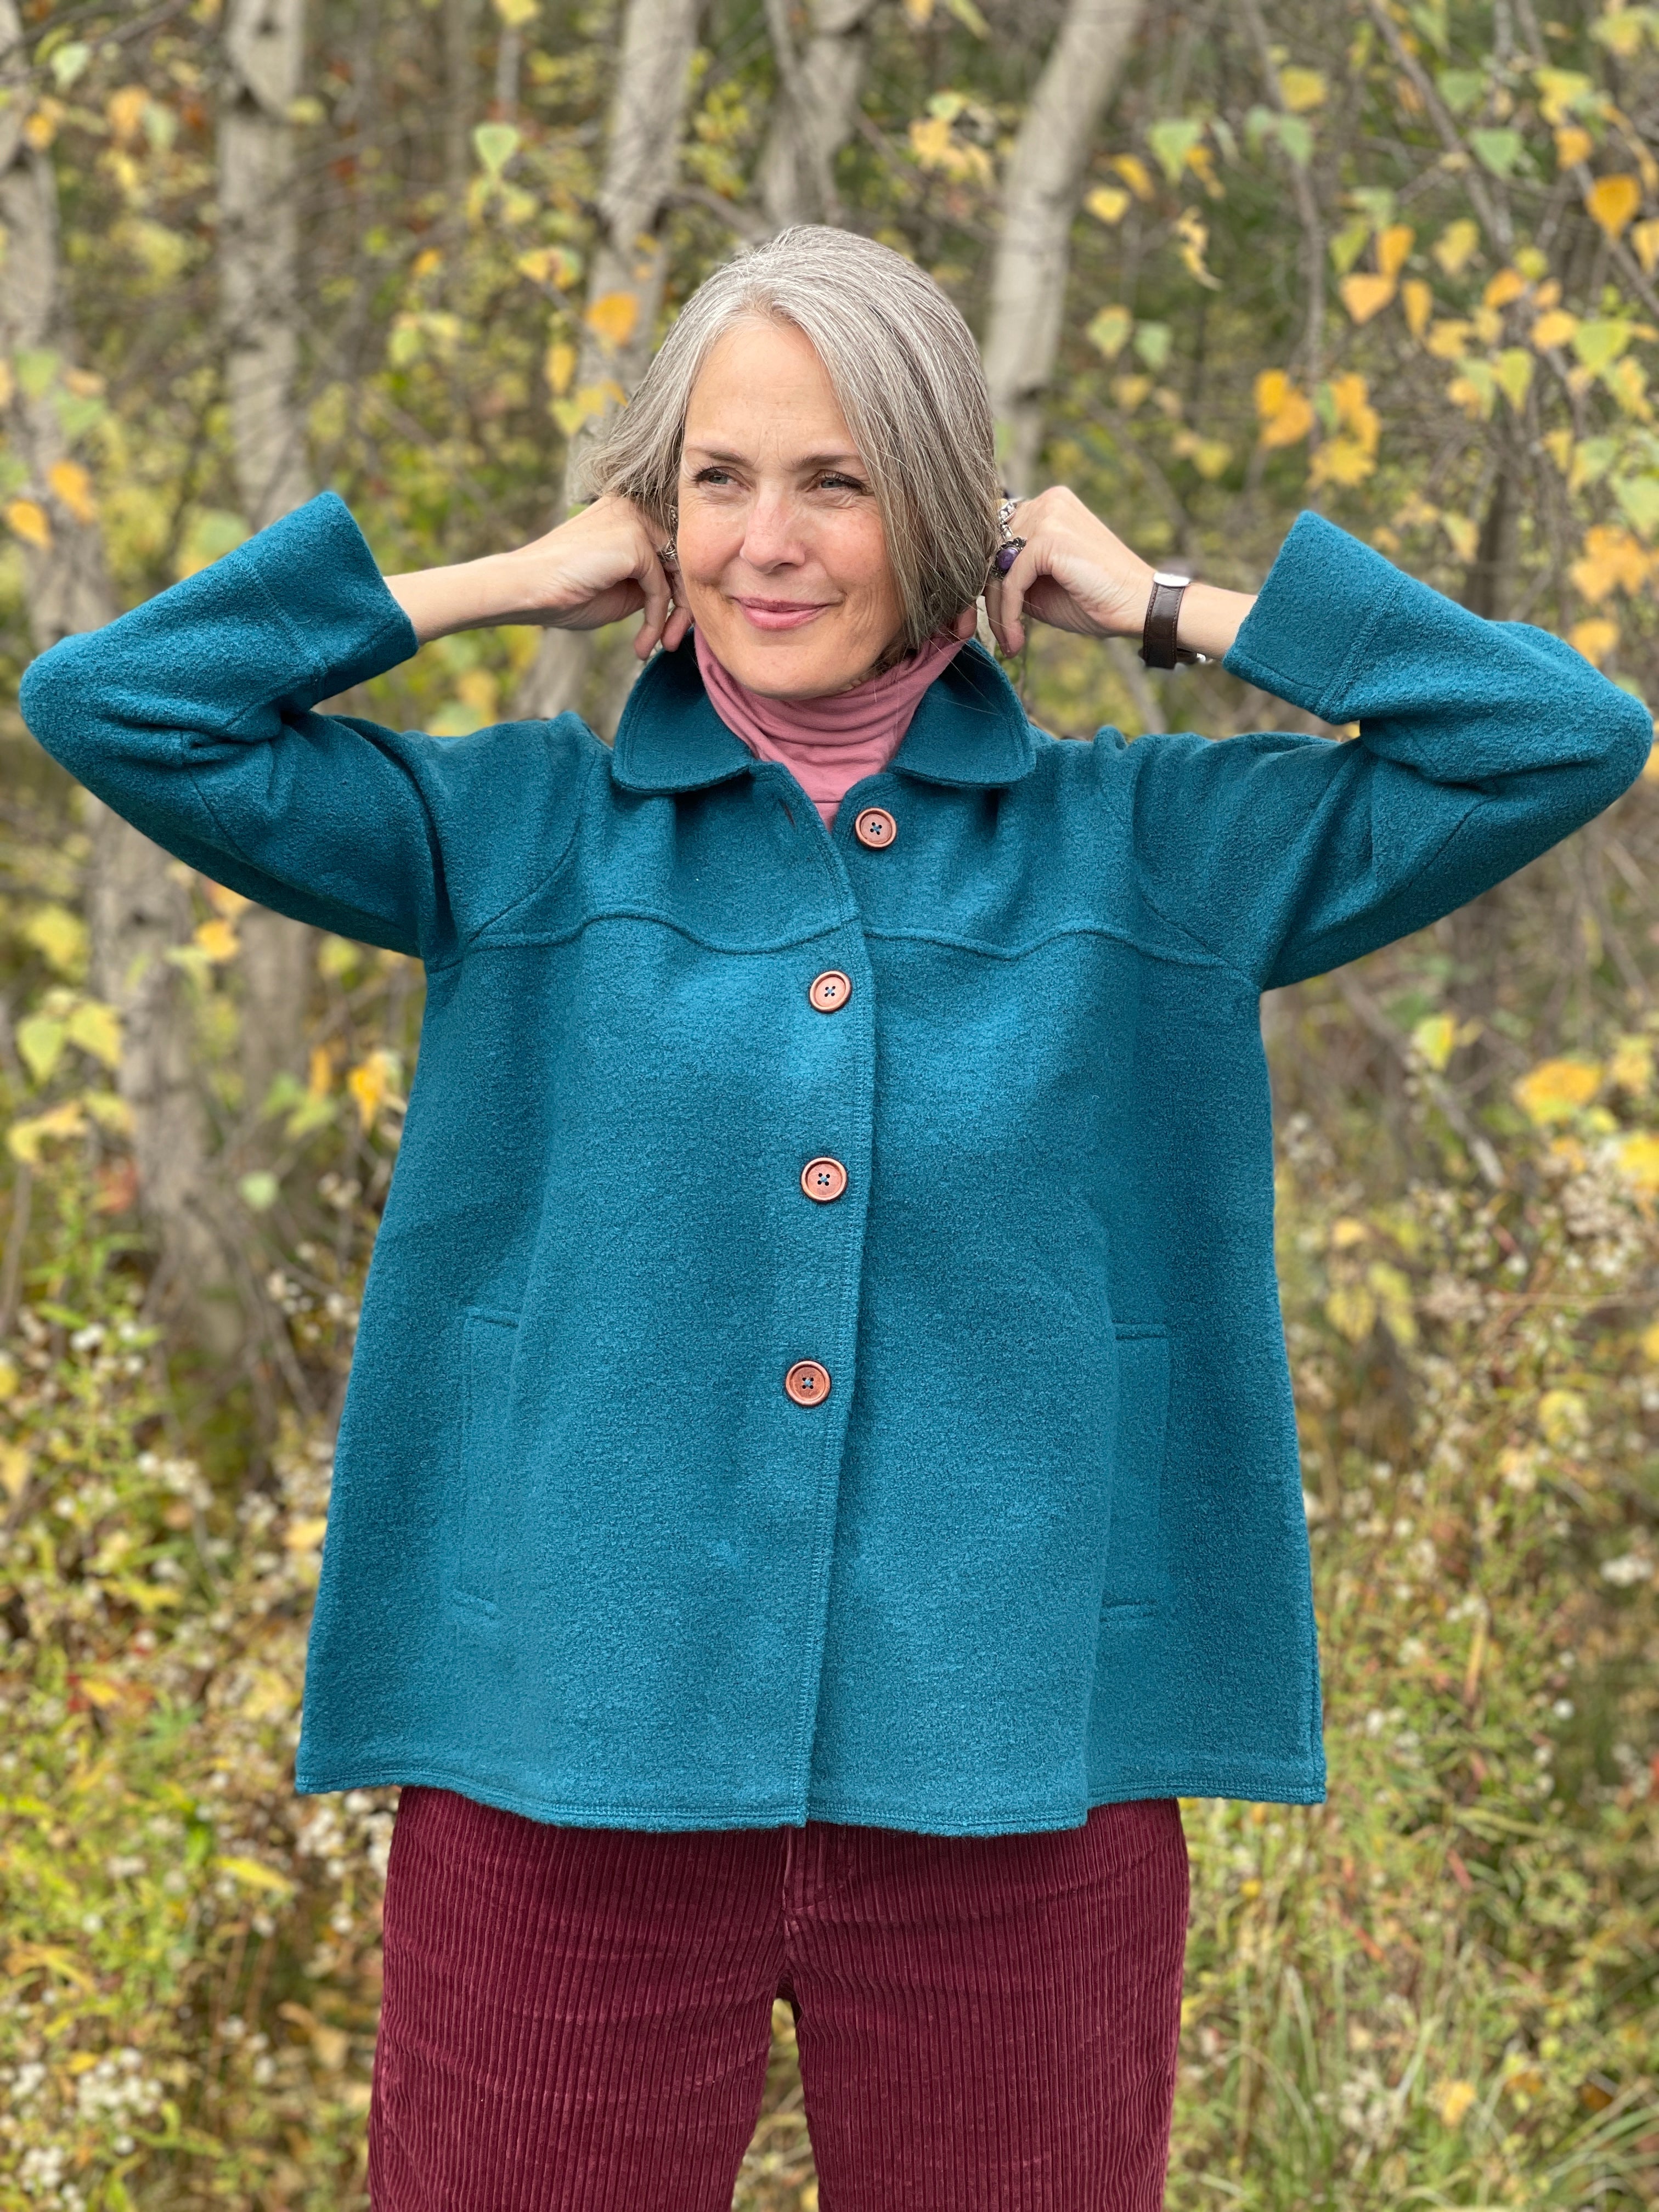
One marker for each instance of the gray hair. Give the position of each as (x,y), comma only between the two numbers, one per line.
(904,367)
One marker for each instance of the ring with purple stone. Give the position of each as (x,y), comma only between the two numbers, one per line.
(1007,555)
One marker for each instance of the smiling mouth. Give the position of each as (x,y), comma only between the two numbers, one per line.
(780,614)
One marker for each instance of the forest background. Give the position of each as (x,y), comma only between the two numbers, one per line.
(1399,262)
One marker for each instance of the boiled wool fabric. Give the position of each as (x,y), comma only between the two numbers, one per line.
(1041,1545)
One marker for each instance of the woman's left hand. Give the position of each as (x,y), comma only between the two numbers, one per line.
(1073,573)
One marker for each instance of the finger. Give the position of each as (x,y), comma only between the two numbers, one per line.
(1008,622)
(965,624)
(679,624)
(659,603)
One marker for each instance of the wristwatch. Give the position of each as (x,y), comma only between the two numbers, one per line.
(1158,647)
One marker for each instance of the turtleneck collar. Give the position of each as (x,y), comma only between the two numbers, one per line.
(828,745)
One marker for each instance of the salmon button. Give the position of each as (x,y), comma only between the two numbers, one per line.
(823,1180)
(807,1384)
(875,827)
(830,992)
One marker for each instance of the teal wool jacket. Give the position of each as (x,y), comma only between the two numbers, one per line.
(1041,1543)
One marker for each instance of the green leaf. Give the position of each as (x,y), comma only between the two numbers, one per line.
(1500,151)
(1599,343)
(259,1190)
(1349,243)
(41,1043)
(1171,141)
(34,368)
(1152,342)
(1295,134)
(68,61)
(1638,501)
(495,143)
(1461,89)
(970,17)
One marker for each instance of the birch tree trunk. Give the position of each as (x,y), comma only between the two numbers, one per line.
(1045,173)
(817,99)
(625,276)
(260,304)
(139,906)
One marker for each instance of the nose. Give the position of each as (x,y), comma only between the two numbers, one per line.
(772,537)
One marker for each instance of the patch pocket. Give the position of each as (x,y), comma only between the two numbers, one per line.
(1136,1558)
(489,1341)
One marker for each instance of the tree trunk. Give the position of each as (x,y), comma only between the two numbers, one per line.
(139,906)
(626,273)
(817,97)
(1045,173)
(259,299)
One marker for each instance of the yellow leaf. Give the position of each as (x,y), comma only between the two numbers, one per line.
(1462,534)
(1108,331)
(1393,245)
(1448,340)
(1612,201)
(254,1876)
(1350,397)
(1454,2099)
(1347,1233)
(515,14)
(1554,329)
(1555,1090)
(370,1085)
(306,1535)
(1612,560)
(1650,1341)
(73,488)
(1106,203)
(27,519)
(1286,414)
(224,900)
(1631,1067)
(1639,1162)
(1365,297)
(42,126)
(1436,1038)
(613,317)
(320,1079)
(1302,89)
(10,1380)
(1572,146)
(60,937)
(15,1465)
(1594,638)
(125,111)
(1455,245)
(96,1029)
(1508,284)
(25,1138)
(1352,1311)
(920,12)
(216,939)
(1419,302)
(1194,234)
(561,367)
(109,1112)
(1645,240)
(1134,173)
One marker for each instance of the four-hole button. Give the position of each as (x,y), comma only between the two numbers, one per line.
(807,1382)
(830,992)
(823,1180)
(875,827)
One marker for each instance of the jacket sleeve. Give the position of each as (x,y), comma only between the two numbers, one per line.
(1480,744)
(192,717)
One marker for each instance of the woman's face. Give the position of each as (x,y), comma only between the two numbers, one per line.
(783,561)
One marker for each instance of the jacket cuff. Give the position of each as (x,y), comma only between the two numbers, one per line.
(317,570)
(1323,597)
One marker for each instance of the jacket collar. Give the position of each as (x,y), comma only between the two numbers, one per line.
(969,729)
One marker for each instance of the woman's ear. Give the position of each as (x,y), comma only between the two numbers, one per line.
(965,624)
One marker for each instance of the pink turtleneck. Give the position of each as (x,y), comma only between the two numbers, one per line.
(828,745)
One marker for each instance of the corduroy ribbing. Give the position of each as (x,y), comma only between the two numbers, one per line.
(577,2020)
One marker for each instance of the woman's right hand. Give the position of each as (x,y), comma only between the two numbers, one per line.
(600,567)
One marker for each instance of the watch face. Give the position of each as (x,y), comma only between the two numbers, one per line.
(1162,576)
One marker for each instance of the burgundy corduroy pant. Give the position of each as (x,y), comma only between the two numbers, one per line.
(577,2019)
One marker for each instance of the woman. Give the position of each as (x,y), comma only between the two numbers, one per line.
(819,1479)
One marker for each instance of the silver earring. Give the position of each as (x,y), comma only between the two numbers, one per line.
(667,555)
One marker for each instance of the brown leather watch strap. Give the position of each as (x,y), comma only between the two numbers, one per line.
(1158,645)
